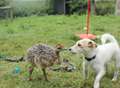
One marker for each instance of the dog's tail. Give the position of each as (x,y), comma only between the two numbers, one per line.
(106,38)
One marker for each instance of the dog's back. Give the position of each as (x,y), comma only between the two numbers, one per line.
(109,47)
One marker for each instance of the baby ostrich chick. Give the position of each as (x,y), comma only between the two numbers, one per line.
(43,56)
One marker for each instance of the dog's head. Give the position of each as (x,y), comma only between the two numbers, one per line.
(84,45)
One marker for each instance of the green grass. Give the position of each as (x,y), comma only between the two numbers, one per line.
(21,33)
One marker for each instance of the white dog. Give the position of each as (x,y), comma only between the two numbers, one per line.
(98,56)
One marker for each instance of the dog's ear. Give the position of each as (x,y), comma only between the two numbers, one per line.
(92,44)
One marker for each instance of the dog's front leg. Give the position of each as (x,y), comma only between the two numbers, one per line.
(85,70)
(100,74)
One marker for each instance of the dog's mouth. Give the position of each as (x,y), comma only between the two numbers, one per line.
(73,52)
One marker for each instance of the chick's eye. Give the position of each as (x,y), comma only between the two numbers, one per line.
(79,45)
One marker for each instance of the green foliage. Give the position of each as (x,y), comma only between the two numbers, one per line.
(4,2)
(31,7)
(78,6)
(45,7)
(105,7)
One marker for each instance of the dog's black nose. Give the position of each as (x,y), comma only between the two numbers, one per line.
(69,49)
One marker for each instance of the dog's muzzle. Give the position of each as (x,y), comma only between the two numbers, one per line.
(70,49)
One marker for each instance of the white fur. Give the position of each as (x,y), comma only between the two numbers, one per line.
(107,38)
(104,54)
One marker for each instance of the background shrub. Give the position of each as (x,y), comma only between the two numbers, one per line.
(4,2)
(78,6)
(31,7)
(45,7)
(105,7)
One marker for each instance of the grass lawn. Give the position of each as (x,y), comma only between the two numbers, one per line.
(21,33)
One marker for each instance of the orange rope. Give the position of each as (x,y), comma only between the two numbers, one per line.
(88,17)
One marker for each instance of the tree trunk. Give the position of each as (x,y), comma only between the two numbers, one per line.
(117,8)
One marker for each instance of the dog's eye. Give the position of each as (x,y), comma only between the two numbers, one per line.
(79,44)
(90,42)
